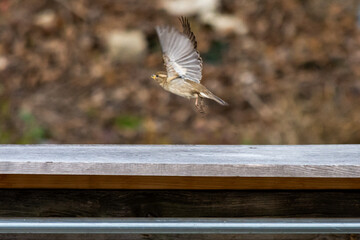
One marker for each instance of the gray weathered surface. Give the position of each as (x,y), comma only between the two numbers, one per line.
(341,161)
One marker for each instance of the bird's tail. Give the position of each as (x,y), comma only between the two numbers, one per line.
(212,96)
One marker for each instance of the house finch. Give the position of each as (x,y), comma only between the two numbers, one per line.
(183,64)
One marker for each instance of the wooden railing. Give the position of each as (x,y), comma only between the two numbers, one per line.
(121,181)
(180,167)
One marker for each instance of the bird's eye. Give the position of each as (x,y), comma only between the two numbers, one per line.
(156,75)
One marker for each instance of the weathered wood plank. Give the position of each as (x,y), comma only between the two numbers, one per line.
(317,161)
(176,203)
(172,182)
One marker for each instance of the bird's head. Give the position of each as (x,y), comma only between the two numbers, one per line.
(160,77)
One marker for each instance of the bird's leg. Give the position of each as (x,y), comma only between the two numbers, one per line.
(199,104)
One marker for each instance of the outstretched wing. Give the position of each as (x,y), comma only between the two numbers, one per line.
(179,52)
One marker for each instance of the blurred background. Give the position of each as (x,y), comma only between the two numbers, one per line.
(79,72)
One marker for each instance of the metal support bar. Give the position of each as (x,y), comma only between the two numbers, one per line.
(179,225)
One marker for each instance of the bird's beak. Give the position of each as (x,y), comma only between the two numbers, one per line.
(153,76)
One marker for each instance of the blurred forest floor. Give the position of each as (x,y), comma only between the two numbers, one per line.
(79,72)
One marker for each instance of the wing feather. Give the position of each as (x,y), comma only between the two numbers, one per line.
(180,55)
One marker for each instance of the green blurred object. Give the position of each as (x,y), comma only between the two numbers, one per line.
(215,53)
(128,122)
(33,132)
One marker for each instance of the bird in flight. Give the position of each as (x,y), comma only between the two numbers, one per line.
(183,65)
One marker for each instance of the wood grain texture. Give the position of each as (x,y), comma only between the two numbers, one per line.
(177,203)
(171,182)
(316,161)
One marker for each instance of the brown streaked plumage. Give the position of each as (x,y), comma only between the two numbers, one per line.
(183,64)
